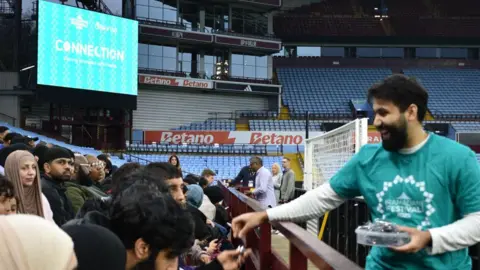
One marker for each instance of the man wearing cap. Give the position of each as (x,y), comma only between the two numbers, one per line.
(58,167)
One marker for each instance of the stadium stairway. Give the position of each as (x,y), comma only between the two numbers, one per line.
(284,113)
(295,166)
(242,126)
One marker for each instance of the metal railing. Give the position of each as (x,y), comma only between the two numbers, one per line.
(303,247)
(8,119)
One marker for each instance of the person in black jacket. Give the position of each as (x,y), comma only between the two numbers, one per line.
(58,167)
(245,176)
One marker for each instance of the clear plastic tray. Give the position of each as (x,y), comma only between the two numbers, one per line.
(380,233)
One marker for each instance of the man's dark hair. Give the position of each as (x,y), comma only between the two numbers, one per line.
(287,158)
(191,179)
(10,136)
(203,182)
(143,212)
(256,160)
(3,129)
(6,188)
(163,170)
(401,91)
(104,158)
(208,172)
(119,176)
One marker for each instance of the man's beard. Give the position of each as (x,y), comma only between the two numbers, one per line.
(397,135)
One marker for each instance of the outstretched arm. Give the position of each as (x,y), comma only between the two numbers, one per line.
(312,204)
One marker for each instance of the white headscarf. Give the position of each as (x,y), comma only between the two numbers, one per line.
(32,243)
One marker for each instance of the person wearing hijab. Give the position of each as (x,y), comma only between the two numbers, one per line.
(22,170)
(97,248)
(33,243)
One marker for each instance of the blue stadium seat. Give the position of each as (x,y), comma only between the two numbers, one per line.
(451,91)
(326,90)
(76,149)
(226,167)
(210,124)
(283,125)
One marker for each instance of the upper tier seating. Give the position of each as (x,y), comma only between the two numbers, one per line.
(451,91)
(76,149)
(326,90)
(225,166)
(326,7)
(313,26)
(437,27)
(283,125)
(224,124)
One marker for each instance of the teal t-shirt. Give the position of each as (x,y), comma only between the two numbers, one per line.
(432,187)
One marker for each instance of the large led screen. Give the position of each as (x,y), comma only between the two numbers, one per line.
(83,49)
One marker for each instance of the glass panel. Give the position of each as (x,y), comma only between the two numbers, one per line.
(155,62)
(169,64)
(237,70)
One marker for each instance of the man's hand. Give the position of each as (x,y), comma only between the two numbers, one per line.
(212,247)
(205,258)
(231,259)
(242,224)
(418,240)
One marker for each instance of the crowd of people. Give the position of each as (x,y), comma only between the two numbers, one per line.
(63,210)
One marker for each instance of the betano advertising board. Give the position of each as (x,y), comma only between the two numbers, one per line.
(236,137)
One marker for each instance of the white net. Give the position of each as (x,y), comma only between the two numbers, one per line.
(328,153)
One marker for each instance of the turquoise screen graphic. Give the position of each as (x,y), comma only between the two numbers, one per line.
(82,49)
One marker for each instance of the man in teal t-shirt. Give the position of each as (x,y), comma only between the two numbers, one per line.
(427,184)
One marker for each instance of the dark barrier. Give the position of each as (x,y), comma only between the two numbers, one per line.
(303,247)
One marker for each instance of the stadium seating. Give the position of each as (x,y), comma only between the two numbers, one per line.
(466,126)
(326,90)
(76,149)
(283,125)
(225,166)
(451,91)
(224,124)
(288,27)
(207,149)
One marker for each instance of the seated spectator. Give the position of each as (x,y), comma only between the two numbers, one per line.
(191,179)
(81,187)
(119,177)
(39,153)
(36,243)
(195,198)
(96,247)
(6,151)
(7,139)
(58,167)
(97,172)
(8,202)
(3,131)
(173,159)
(210,176)
(22,170)
(152,226)
(216,197)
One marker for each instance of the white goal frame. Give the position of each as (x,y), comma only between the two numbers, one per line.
(355,131)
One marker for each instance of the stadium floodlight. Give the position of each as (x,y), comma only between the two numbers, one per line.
(27,68)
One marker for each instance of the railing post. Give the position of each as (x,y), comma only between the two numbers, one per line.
(297,260)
